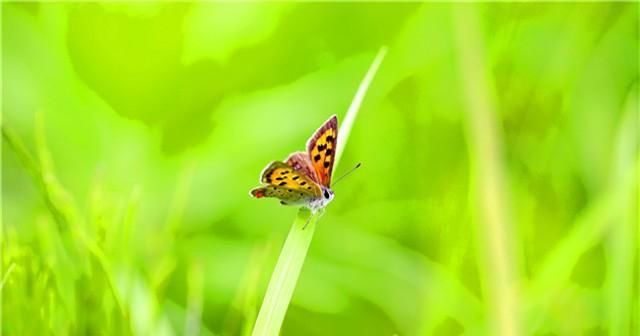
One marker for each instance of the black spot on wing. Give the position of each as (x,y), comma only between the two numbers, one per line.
(282,183)
(326,164)
(328,151)
(303,183)
(321,147)
(295,177)
(317,158)
(330,138)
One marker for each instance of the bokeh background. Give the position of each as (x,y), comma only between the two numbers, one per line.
(132,134)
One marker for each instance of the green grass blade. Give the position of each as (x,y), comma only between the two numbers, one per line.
(621,239)
(33,169)
(6,275)
(494,234)
(347,124)
(195,287)
(285,276)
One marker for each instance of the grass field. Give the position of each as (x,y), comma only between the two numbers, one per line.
(498,193)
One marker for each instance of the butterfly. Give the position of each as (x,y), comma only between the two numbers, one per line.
(304,178)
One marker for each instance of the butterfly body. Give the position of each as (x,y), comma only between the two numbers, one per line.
(304,178)
(321,202)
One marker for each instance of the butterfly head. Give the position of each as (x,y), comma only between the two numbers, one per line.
(321,202)
(327,195)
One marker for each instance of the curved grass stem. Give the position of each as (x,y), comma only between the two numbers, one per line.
(285,276)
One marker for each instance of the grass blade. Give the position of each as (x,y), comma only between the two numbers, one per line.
(5,276)
(285,276)
(485,147)
(352,112)
(622,238)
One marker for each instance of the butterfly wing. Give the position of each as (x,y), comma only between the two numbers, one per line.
(300,161)
(321,148)
(287,184)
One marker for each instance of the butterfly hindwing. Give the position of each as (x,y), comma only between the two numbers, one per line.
(287,196)
(321,148)
(287,184)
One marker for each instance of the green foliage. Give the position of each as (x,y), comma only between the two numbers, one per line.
(133,132)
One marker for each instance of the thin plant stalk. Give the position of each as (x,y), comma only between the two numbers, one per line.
(6,275)
(285,276)
(195,284)
(494,237)
(621,239)
(2,243)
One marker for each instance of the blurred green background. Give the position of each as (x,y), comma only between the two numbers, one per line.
(132,134)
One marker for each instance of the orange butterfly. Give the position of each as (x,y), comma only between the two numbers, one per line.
(305,178)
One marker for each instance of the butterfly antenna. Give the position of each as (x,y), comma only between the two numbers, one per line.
(347,173)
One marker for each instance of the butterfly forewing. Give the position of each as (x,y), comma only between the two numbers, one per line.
(321,148)
(300,161)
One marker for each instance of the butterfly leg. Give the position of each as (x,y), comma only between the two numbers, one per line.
(318,213)
(308,220)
